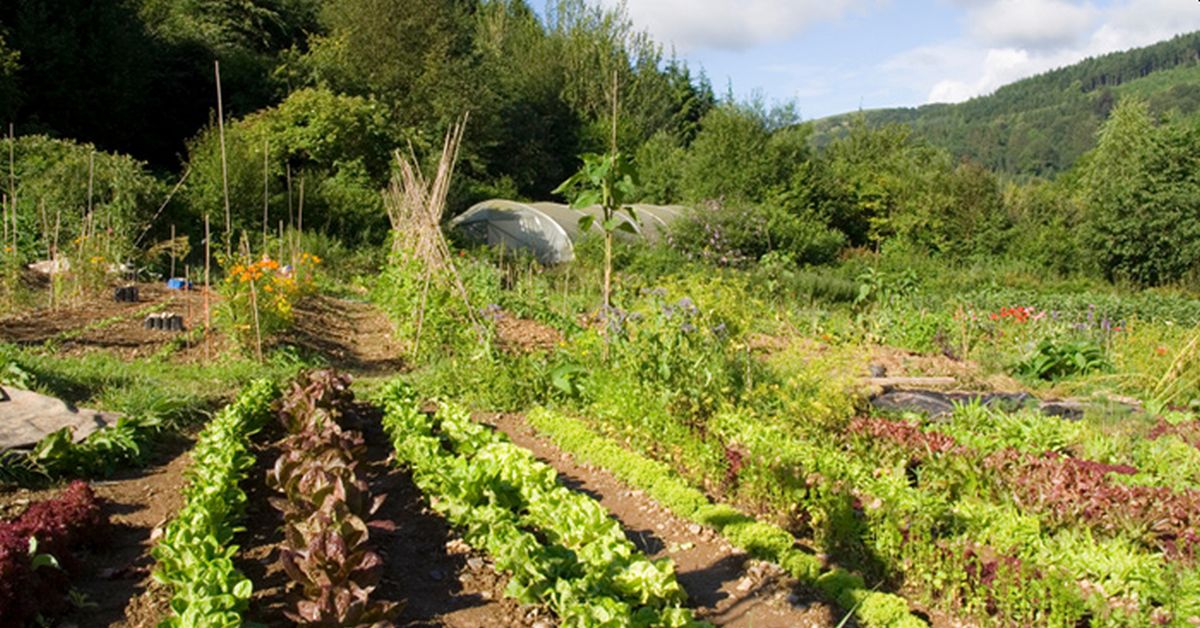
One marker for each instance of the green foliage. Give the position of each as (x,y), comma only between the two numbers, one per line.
(760,540)
(740,235)
(1053,359)
(104,451)
(194,556)
(52,200)
(1144,221)
(751,148)
(1041,125)
(338,145)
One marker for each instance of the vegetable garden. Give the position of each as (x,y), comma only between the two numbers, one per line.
(705,453)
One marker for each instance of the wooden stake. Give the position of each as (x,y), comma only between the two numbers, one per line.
(280,258)
(288,172)
(224,164)
(187,286)
(165,202)
(299,229)
(54,254)
(257,331)
(172,251)
(266,192)
(207,268)
(91,178)
(12,184)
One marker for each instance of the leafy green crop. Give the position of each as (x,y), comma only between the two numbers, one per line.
(560,547)
(1055,360)
(761,540)
(195,555)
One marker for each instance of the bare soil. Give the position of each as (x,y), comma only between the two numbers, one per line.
(100,323)
(724,585)
(354,336)
(520,335)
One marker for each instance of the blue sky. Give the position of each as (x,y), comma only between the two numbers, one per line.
(833,56)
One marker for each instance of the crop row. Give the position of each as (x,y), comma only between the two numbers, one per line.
(761,540)
(559,547)
(195,553)
(326,546)
(1067,527)
(36,552)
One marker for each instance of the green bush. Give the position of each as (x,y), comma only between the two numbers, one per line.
(738,236)
(52,195)
(338,145)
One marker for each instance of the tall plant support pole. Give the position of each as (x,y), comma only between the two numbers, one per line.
(266,193)
(608,236)
(224,164)
(207,269)
(91,180)
(12,185)
(166,201)
(287,169)
(172,250)
(187,285)
(299,229)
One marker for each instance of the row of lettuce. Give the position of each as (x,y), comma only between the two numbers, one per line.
(559,548)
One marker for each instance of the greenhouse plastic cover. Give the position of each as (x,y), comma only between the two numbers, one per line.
(550,230)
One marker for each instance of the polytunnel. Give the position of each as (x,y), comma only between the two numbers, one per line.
(549,230)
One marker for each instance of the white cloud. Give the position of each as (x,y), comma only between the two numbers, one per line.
(1006,40)
(731,25)
(1036,24)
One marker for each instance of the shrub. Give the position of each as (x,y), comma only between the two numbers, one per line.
(737,236)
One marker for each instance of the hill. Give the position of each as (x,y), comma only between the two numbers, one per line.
(1042,124)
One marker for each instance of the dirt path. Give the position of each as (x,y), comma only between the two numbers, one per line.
(725,586)
(354,336)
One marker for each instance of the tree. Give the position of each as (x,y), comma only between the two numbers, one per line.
(1142,195)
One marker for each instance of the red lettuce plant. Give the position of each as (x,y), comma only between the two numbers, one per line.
(59,525)
(1067,490)
(325,507)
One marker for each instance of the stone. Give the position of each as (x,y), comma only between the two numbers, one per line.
(932,404)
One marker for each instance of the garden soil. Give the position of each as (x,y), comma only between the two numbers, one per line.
(353,335)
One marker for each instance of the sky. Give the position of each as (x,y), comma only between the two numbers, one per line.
(834,56)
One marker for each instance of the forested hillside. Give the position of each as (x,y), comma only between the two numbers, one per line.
(1041,125)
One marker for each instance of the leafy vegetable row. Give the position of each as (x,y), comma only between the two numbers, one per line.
(195,554)
(560,547)
(761,540)
(36,552)
(326,545)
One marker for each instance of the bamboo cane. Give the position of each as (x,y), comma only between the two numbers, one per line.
(224,164)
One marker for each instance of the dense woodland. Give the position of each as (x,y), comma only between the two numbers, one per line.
(318,95)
